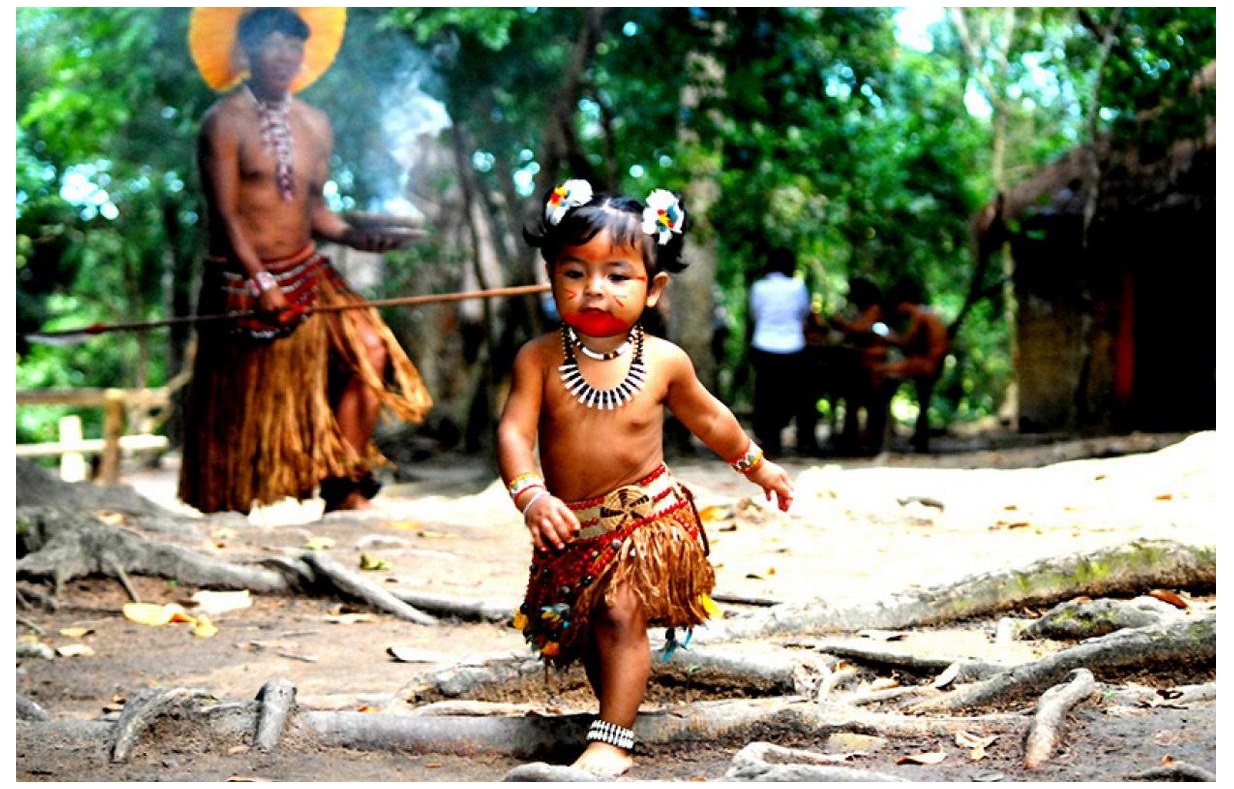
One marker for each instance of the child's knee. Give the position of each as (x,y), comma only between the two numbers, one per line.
(622,611)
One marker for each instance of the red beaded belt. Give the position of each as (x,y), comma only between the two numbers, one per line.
(652,496)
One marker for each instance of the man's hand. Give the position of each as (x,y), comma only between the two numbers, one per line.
(552,524)
(375,240)
(272,301)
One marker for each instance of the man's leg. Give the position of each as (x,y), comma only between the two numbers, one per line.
(618,664)
(921,432)
(358,408)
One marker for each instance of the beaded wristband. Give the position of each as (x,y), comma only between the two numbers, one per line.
(523,510)
(524,482)
(611,733)
(264,281)
(749,460)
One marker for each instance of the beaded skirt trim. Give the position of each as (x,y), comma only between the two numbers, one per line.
(648,538)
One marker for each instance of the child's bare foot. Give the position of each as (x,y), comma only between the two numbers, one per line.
(604,760)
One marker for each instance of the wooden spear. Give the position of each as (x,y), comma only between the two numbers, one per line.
(81,334)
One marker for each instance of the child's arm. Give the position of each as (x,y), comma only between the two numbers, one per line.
(714,424)
(548,519)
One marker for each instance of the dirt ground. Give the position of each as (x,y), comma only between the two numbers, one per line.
(859,529)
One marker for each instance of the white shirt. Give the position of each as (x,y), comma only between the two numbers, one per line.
(779,306)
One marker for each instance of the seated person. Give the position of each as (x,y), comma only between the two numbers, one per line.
(923,343)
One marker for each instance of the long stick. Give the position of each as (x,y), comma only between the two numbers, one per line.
(64,336)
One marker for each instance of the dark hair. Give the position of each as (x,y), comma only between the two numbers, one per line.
(255,25)
(906,291)
(622,217)
(782,260)
(864,292)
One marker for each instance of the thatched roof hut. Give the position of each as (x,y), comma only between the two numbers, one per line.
(1116,326)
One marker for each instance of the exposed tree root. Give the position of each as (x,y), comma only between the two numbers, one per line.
(67,544)
(140,712)
(29,710)
(277,697)
(1052,709)
(539,771)
(961,670)
(763,761)
(1083,618)
(353,585)
(1123,570)
(465,610)
(1175,771)
(1189,641)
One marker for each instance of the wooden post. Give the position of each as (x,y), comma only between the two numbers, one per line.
(72,464)
(113,428)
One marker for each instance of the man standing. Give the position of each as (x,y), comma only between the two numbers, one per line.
(779,309)
(288,402)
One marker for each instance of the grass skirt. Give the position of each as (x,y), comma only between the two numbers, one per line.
(260,422)
(646,537)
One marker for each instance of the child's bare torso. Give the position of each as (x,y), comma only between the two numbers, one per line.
(586,452)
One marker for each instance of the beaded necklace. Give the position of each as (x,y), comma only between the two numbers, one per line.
(276,135)
(602,399)
(577,342)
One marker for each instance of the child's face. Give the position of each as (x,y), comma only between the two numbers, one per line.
(601,290)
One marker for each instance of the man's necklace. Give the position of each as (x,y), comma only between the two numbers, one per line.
(276,136)
(574,382)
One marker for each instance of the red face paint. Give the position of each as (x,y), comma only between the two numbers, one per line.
(595,323)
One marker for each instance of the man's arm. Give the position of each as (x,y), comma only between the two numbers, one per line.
(218,156)
(326,223)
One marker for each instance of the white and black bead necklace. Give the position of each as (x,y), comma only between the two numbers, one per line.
(602,399)
(577,342)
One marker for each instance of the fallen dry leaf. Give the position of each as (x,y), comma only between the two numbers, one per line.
(216,603)
(934,757)
(976,745)
(882,635)
(884,683)
(349,619)
(155,614)
(204,628)
(715,512)
(947,677)
(319,543)
(110,517)
(1166,497)
(75,650)
(434,535)
(1166,596)
(368,562)
(410,655)
(75,632)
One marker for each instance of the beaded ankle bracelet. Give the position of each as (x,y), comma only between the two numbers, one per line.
(611,733)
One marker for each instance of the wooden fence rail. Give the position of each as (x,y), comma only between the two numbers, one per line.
(115,404)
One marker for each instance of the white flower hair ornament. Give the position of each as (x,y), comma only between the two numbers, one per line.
(571,194)
(663,215)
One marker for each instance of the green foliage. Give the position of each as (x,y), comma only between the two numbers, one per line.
(822,131)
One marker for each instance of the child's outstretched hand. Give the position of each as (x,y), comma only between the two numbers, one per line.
(552,524)
(772,478)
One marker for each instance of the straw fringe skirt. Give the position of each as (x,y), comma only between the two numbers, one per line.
(646,537)
(260,424)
